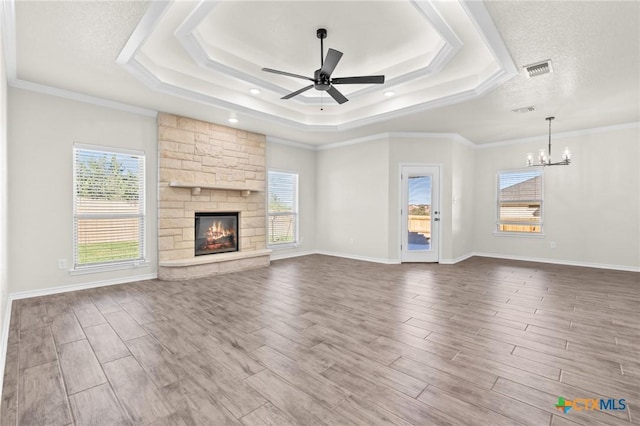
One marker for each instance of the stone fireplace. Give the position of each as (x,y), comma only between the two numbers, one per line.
(210,170)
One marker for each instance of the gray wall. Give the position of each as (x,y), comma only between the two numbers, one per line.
(591,207)
(353,200)
(287,158)
(41,133)
(349,195)
(4,205)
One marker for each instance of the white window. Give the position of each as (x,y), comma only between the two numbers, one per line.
(282,208)
(108,206)
(520,201)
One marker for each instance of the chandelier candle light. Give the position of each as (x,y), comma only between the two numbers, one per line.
(543,159)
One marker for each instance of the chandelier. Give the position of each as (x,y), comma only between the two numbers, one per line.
(544,159)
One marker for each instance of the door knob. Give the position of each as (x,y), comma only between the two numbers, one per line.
(436,219)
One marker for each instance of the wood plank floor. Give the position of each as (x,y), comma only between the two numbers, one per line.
(322,340)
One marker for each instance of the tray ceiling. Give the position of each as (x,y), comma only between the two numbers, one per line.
(454,66)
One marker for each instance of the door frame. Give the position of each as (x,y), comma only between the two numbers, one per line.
(439,166)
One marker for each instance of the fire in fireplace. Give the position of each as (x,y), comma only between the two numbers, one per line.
(216,232)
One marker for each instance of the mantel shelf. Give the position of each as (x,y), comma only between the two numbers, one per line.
(195,187)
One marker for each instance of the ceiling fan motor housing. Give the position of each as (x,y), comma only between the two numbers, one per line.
(321,81)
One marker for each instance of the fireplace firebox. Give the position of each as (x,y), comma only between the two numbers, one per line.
(216,232)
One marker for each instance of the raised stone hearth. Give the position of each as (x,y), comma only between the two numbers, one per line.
(206,167)
(204,266)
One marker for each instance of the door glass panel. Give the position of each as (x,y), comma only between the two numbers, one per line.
(419,217)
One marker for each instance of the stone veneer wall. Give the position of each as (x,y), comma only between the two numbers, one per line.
(198,152)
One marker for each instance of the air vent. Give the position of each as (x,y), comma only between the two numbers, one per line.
(539,68)
(524,110)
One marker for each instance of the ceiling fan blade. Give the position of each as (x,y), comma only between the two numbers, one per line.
(335,94)
(286,73)
(297,92)
(330,62)
(368,79)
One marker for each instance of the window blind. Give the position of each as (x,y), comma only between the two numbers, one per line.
(282,208)
(108,207)
(520,201)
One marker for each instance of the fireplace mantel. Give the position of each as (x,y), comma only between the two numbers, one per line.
(196,187)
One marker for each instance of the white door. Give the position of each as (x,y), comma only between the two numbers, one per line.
(420,213)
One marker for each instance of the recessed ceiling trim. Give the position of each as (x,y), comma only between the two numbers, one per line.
(192,44)
(189,40)
(477,11)
(142,31)
(186,34)
(448,50)
(153,82)
(440,25)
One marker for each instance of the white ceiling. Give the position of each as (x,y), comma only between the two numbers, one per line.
(455,66)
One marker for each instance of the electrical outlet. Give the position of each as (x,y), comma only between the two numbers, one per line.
(62,263)
(552,244)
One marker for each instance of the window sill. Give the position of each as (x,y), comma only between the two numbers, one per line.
(518,234)
(106,268)
(284,246)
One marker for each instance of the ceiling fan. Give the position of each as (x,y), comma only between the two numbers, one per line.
(322,77)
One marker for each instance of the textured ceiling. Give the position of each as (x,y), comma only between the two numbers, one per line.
(455,67)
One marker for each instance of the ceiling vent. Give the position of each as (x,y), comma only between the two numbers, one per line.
(524,110)
(539,68)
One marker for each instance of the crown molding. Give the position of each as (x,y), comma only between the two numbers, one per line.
(377,136)
(273,139)
(398,135)
(561,135)
(80,97)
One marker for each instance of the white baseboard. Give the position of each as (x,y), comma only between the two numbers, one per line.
(363,258)
(275,255)
(83,286)
(357,257)
(456,260)
(559,262)
(481,254)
